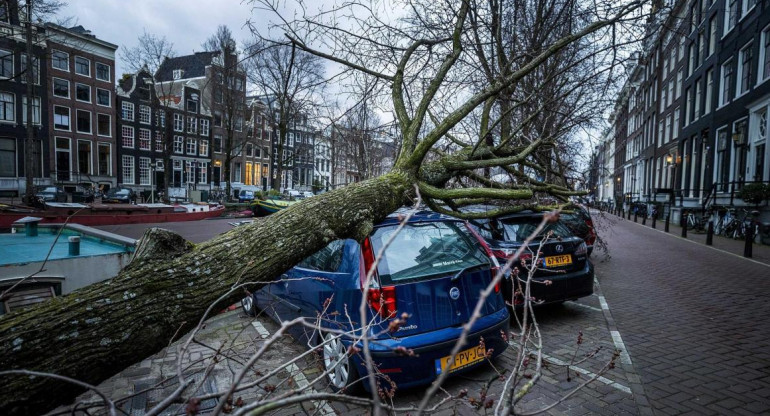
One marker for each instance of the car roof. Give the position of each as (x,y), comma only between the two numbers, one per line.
(422,215)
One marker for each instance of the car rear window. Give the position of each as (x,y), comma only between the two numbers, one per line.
(421,250)
(519,228)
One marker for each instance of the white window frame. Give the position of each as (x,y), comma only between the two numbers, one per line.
(96,71)
(145,114)
(203,148)
(127,132)
(77,84)
(763,71)
(89,66)
(727,28)
(192,125)
(145,135)
(127,111)
(204,131)
(128,170)
(67,60)
(709,105)
(9,116)
(109,97)
(90,121)
(724,100)
(35,70)
(109,124)
(178,123)
(69,118)
(746,49)
(35,110)
(145,173)
(179,144)
(4,54)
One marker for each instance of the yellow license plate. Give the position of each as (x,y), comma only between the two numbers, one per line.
(555,261)
(462,359)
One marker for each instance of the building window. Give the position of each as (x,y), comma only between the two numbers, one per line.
(731,15)
(61,118)
(84,157)
(727,80)
(60,60)
(204,128)
(61,88)
(178,144)
(712,35)
(748,5)
(105,159)
(6,64)
(675,131)
(192,125)
(687,107)
(83,93)
(192,106)
(679,79)
(7,107)
(177,73)
(192,146)
(145,138)
(144,171)
(128,170)
(7,157)
(696,110)
(744,70)
(102,97)
(35,110)
(102,72)
(127,111)
(203,148)
(178,122)
(160,118)
(764,55)
(128,136)
(35,69)
(217,119)
(145,114)
(158,142)
(203,170)
(83,121)
(82,66)
(249,149)
(709,91)
(63,159)
(692,58)
(217,144)
(103,125)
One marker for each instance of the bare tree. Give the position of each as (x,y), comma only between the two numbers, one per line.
(164,289)
(288,80)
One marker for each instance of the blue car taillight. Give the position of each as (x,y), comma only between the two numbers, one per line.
(381,300)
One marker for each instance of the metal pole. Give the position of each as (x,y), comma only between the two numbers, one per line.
(668,219)
(654,218)
(747,248)
(683,223)
(710,234)
(644,219)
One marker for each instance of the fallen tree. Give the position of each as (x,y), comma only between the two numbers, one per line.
(95,332)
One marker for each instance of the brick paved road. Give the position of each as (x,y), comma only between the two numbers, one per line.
(694,320)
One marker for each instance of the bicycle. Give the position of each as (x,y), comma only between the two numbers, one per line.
(694,222)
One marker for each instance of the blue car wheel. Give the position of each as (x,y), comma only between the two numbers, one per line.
(339,368)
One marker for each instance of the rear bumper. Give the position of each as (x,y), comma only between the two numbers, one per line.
(563,287)
(428,348)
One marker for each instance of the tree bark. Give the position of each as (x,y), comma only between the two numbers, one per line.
(97,331)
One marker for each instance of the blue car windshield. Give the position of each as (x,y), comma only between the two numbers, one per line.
(426,249)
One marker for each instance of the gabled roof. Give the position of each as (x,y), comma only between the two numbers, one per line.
(193,65)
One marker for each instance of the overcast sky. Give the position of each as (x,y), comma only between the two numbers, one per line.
(185,23)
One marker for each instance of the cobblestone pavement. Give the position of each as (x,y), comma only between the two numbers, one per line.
(693,317)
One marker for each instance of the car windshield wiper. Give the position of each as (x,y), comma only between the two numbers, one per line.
(467,269)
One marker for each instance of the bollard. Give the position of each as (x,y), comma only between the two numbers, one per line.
(749,240)
(668,219)
(629,214)
(654,218)
(683,223)
(635,216)
(644,220)
(710,234)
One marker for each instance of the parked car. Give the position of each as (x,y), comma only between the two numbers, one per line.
(579,221)
(120,195)
(307,194)
(51,193)
(432,272)
(245,195)
(563,258)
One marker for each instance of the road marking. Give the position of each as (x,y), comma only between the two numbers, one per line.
(297,374)
(588,374)
(584,306)
(603,302)
(618,341)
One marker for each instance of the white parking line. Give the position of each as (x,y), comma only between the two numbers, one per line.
(588,374)
(322,407)
(584,306)
(618,341)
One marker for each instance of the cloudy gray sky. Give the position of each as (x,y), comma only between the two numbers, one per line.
(185,23)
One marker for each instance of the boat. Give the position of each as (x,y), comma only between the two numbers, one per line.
(97,214)
(270,206)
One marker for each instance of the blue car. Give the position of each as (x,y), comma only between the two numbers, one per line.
(431,274)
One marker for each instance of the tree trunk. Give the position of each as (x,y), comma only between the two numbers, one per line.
(97,331)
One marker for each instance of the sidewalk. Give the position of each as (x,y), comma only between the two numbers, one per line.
(760,252)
